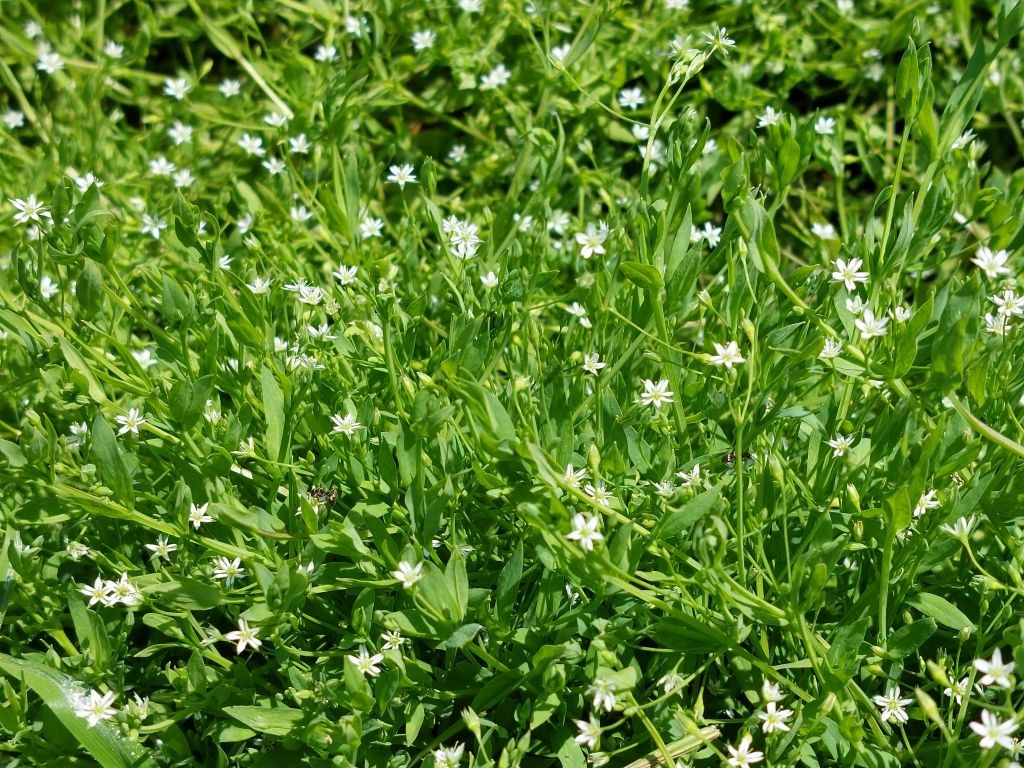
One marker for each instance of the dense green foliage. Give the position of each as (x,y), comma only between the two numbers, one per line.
(511,384)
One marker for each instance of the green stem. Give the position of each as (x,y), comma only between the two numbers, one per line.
(995,436)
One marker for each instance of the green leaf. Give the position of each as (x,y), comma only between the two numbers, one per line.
(273,721)
(89,287)
(676,521)
(185,594)
(494,426)
(457,581)
(508,585)
(908,83)
(77,362)
(106,454)
(177,307)
(434,591)
(60,692)
(461,636)
(940,609)
(569,755)
(643,275)
(273,411)
(905,640)
(844,653)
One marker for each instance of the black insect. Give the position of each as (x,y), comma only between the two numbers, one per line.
(323,495)
(730,458)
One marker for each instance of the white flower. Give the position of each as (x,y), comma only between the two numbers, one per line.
(831,349)
(162,547)
(408,574)
(496,78)
(892,705)
(993,264)
(326,53)
(177,88)
(365,663)
(180,133)
(710,234)
(771,692)
(392,640)
(589,732)
(825,126)
(559,52)
(578,310)
(995,672)
(840,444)
(490,280)
(584,530)
(259,285)
(13,119)
(370,227)
(275,119)
(742,756)
(870,326)
(727,355)
(592,240)
(603,692)
(84,182)
(599,493)
(423,39)
(47,288)
(691,478)
(769,117)
(299,145)
(123,591)
(345,425)
(76,550)
(356,26)
(847,273)
(574,477)
(592,363)
(152,225)
(275,166)
(252,145)
(926,502)
(130,422)
(300,214)
(824,231)
(229,570)
(243,636)
(631,98)
(963,140)
(961,528)
(30,209)
(655,394)
(113,49)
(673,681)
(1009,304)
(401,175)
(448,757)
(958,689)
(97,593)
(229,88)
(993,732)
(457,153)
(773,719)
(197,515)
(49,60)
(719,40)
(96,707)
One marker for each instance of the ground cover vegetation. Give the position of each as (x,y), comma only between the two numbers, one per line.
(483,383)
